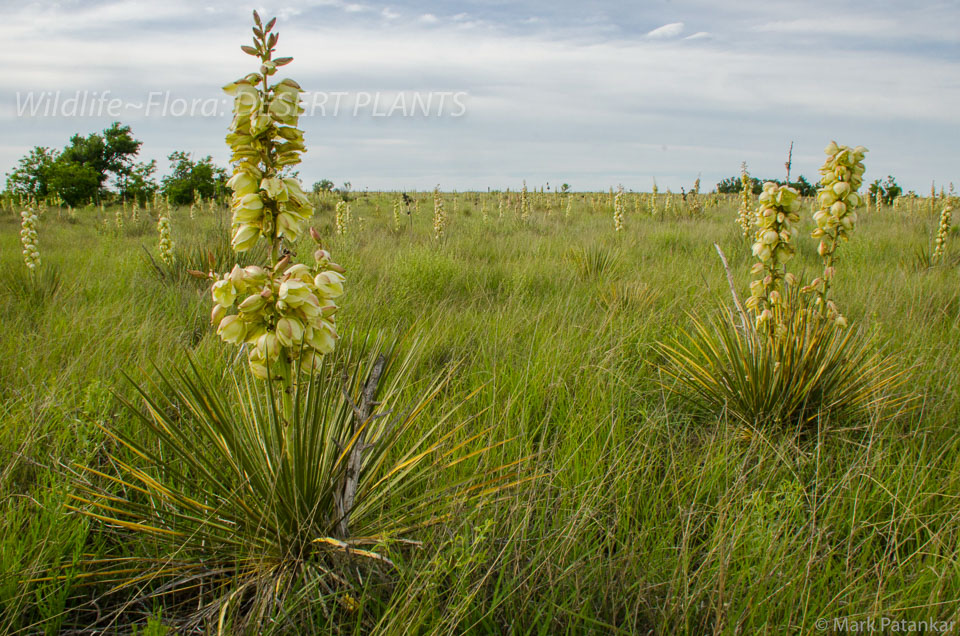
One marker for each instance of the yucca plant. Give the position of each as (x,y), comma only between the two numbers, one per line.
(810,370)
(254,509)
(593,262)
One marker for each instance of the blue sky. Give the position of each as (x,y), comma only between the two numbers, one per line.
(593,94)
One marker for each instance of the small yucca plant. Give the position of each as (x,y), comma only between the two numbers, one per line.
(811,369)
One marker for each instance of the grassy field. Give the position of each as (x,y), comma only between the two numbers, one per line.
(643,516)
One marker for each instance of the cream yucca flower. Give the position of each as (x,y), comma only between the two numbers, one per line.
(439,215)
(840,177)
(744,219)
(166,241)
(775,245)
(940,243)
(135,212)
(119,214)
(29,238)
(396,215)
(618,210)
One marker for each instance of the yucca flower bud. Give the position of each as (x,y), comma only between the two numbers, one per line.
(232,329)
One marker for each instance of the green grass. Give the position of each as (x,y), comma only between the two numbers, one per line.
(645,516)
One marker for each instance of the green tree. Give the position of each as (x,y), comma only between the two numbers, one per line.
(139,183)
(190,179)
(76,183)
(889,190)
(324,185)
(31,177)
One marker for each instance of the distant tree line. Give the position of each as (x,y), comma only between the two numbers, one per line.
(732,185)
(888,189)
(82,171)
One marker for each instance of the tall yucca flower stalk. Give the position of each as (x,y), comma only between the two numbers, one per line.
(439,215)
(340,218)
(618,210)
(119,214)
(165,243)
(483,211)
(744,216)
(396,215)
(135,212)
(524,203)
(500,206)
(840,177)
(193,210)
(29,238)
(775,245)
(284,310)
(940,243)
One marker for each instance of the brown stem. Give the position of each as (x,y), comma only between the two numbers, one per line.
(361,416)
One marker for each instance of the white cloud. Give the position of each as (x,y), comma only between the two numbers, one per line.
(617,104)
(671,30)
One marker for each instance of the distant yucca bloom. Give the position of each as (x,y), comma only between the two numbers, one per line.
(618,210)
(483,211)
(166,241)
(29,238)
(524,203)
(135,212)
(439,215)
(396,215)
(120,213)
(341,218)
(193,210)
(500,206)
(744,219)
(940,243)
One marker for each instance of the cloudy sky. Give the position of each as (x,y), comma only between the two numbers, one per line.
(593,94)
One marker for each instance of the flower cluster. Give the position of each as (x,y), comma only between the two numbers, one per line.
(744,219)
(265,141)
(284,311)
(618,210)
(940,243)
(166,242)
(439,215)
(285,314)
(775,245)
(29,239)
(840,177)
